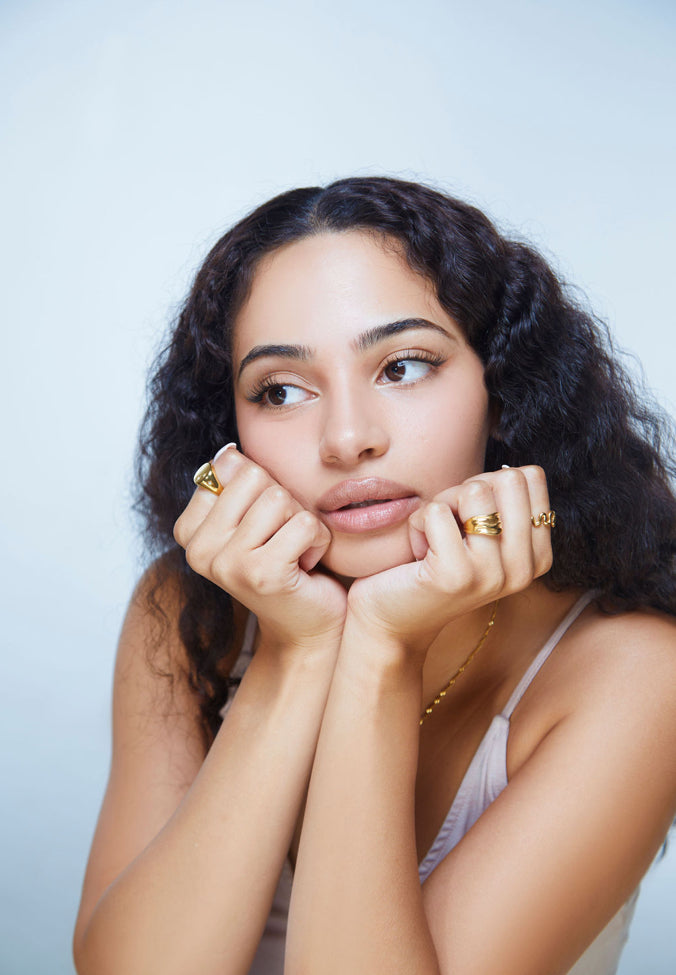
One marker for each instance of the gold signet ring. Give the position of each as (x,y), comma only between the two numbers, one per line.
(483,525)
(547,518)
(206,477)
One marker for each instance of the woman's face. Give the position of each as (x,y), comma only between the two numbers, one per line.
(356,391)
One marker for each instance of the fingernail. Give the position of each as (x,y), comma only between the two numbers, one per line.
(505,467)
(223,449)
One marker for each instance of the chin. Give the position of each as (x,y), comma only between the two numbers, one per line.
(359,556)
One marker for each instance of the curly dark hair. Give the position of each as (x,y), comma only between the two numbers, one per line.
(560,397)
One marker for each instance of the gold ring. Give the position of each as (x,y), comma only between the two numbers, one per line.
(206,477)
(547,518)
(483,525)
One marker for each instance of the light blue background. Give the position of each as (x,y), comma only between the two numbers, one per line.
(134,133)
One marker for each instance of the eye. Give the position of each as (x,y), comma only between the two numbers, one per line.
(278,394)
(283,395)
(409,369)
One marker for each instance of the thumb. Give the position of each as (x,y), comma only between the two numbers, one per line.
(416,535)
(320,543)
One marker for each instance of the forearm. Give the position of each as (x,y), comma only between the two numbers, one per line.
(196,899)
(357,902)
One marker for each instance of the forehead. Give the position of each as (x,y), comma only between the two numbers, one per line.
(330,287)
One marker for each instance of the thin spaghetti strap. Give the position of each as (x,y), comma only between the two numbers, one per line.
(542,656)
(249,635)
(242,662)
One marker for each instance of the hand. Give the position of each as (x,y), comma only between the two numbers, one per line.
(258,543)
(457,573)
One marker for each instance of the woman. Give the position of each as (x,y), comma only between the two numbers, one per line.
(438,546)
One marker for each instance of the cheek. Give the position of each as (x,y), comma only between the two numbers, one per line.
(266,445)
(447,435)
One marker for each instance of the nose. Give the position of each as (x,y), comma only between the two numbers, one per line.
(354,429)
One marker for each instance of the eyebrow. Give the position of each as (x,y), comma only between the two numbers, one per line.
(302,352)
(362,343)
(372,336)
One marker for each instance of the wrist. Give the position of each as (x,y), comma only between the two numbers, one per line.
(380,655)
(397,647)
(279,677)
(304,652)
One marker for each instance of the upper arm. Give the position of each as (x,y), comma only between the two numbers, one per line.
(158,746)
(564,845)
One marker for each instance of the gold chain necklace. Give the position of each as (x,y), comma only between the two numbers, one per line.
(446,688)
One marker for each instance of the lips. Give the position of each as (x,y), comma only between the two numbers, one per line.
(368,504)
(360,491)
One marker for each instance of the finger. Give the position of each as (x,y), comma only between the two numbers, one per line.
(300,543)
(321,540)
(246,486)
(224,462)
(204,501)
(517,517)
(192,516)
(438,525)
(539,503)
(416,535)
(243,482)
(247,514)
(512,497)
(476,497)
(264,517)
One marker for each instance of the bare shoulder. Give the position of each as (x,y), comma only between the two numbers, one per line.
(152,666)
(623,657)
(619,684)
(613,676)
(154,686)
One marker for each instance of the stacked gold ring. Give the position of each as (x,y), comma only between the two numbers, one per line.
(483,525)
(206,477)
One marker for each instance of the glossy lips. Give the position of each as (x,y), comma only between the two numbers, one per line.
(382,504)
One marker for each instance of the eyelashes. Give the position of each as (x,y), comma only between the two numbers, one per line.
(400,359)
(272,388)
(273,392)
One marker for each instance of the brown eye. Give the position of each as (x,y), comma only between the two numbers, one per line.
(276,395)
(396,370)
(408,370)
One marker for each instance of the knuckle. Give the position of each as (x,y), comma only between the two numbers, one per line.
(195,555)
(180,533)
(306,520)
(259,478)
(220,565)
(258,578)
(513,477)
(534,473)
(254,478)
(277,499)
(521,576)
(544,563)
(477,490)
(497,582)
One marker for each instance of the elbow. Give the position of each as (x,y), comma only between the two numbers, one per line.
(92,959)
(96,952)
(79,955)
(84,963)
(77,946)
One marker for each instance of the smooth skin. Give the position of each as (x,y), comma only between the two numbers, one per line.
(188,848)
